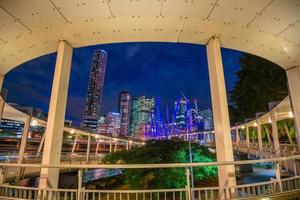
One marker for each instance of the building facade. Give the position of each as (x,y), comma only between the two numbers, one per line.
(94,95)
(124,107)
(207,116)
(180,118)
(113,122)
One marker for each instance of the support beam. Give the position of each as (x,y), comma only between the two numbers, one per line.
(110,145)
(293,76)
(286,128)
(259,136)
(88,149)
(268,135)
(57,109)
(41,144)
(116,145)
(223,140)
(276,145)
(247,136)
(2,101)
(75,142)
(97,147)
(24,139)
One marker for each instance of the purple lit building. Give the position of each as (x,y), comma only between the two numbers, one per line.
(95,91)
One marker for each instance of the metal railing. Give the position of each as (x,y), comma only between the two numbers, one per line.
(208,193)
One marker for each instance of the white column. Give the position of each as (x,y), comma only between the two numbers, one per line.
(75,142)
(2,101)
(293,76)
(41,144)
(24,138)
(224,150)
(55,124)
(88,148)
(127,145)
(276,145)
(259,137)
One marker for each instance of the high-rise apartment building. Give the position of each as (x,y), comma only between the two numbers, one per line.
(95,91)
(124,107)
(113,123)
(207,119)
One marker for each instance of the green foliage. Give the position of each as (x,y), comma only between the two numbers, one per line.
(167,151)
(259,82)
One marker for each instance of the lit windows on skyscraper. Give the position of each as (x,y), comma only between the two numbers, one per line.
(95,91)
(124,107)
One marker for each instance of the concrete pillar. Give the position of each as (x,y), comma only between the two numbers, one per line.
(24,139)
(259,137)
(41,144)
(88,148)
(226,174)
(2,101)
(127,145)
(56,116)
(293,76)
(276,145)
(75,142)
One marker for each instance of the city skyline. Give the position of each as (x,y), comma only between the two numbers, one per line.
(163,69)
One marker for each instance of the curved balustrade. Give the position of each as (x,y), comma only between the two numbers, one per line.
(272,187)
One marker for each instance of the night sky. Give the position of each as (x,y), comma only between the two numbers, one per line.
(152,69)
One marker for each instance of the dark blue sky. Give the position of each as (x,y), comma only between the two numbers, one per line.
(152,69)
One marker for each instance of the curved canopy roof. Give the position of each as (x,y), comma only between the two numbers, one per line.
(31,28)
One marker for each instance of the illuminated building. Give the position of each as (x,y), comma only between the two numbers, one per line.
(124,107)
(113,123)
(180,118)
(140,111)
(95,91)
(207,119)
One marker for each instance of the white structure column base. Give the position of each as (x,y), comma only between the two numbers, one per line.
(55,124)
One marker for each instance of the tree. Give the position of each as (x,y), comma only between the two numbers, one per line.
(259,82)
(166,151)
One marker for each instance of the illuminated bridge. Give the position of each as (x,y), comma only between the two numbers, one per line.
(267,28)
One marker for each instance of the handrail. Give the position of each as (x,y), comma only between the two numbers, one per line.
(153,166)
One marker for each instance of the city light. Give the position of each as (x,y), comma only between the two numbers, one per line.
(33,123)
(255,124)
(72,131)
(242,127)
(290,115)
(96,136)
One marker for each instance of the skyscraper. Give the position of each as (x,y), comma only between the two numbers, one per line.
(95,91)
(113,123)
(124,107)
(180,118)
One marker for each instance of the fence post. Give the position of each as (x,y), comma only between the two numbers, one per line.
(188,186)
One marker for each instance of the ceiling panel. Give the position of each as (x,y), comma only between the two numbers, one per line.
(135,7)
(42,15)
(187,8)
(237,11)
(83,9)
(278,15)
(293,33)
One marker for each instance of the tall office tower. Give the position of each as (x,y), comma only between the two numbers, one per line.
(95,91)
(133,116)
(140,111)
(180,118)
(124,107)
(207,119)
